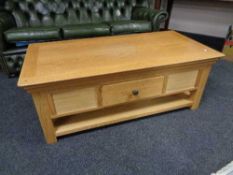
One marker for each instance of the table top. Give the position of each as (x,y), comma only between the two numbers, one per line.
(84,58)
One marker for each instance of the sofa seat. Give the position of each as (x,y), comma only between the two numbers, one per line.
(85,30)
(121,27)
(32,34)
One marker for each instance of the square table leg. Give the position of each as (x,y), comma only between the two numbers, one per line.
(201,83)
(41,102)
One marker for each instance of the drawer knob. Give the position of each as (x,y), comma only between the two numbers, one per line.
(135,92)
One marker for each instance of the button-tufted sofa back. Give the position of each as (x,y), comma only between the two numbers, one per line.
(34,13)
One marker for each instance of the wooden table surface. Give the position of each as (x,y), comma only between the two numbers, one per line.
(82,58)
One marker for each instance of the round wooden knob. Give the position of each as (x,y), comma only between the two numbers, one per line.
(135,92)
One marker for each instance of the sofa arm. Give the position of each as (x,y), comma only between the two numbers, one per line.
(155,16)
(6,22)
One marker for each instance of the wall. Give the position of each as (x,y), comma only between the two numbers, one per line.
(202,17)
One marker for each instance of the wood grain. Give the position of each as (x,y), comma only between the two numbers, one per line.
(83,84)
(123,92)
(181,81)
(201,83)
(75,59)
(75,100)
(118,114)
(44,112)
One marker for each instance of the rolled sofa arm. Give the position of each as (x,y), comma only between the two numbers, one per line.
(155,16)
(6,22)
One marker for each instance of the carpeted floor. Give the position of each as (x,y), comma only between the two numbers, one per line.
(181,142)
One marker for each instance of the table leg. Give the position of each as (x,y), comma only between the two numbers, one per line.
(201,83)
(44,112)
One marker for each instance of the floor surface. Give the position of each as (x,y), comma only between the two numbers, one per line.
(182,142)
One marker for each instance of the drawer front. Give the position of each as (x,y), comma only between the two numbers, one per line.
(75,100)
(131,90)
(181,81)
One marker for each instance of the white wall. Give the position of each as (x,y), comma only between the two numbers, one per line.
(206,17)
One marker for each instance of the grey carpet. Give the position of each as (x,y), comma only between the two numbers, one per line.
(183,142)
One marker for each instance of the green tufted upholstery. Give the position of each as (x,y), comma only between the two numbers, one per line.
(124,27)
(12,61)
(34,13)
(85,30)
(48,20)
(27,34)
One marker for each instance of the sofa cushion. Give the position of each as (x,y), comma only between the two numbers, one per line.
(32,34)
(119,27)
(85,30)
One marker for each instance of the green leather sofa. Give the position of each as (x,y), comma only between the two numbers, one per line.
(28,21)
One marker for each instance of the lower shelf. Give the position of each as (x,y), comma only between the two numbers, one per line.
(89,120)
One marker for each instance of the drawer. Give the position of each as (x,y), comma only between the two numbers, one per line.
(131,90)
(181,81)
(75,100)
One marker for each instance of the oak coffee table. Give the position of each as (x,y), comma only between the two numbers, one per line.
(87,83)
